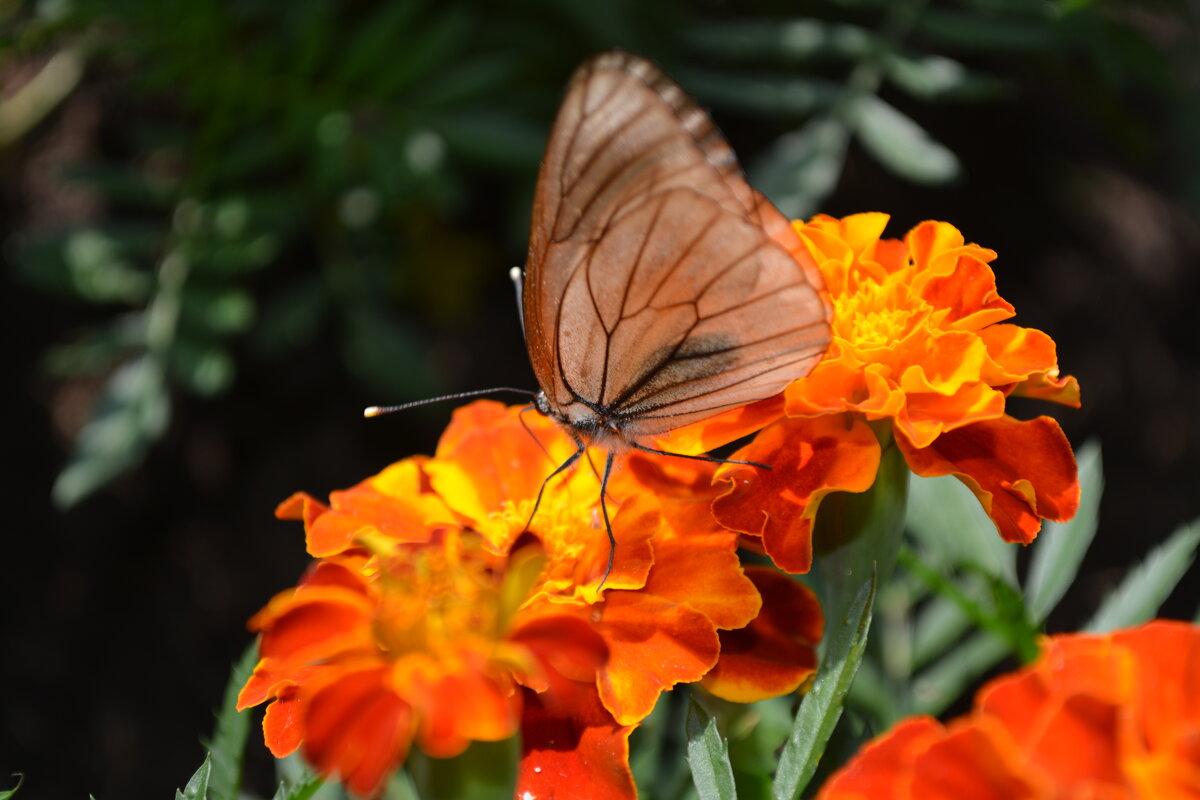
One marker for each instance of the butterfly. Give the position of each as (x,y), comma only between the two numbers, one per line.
(660,288)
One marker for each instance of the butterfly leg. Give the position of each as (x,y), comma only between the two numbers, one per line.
(612,541)
(565,465)
(710,459)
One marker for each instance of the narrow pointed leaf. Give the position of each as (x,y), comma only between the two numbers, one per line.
(233,728)
(937,687)
(302,789)
(197,787)
(900,144)
(1061,546)
(1147,585)
(822,707)
(708,756)
(5,795)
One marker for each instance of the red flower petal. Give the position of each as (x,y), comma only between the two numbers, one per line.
(881,769)
(653,644)
(808,458)
(776,652)
(357,727)
(704,572)
(967,763)
(1021,471)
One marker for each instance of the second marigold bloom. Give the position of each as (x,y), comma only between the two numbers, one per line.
(921,356)
(434,616)
(1112,716)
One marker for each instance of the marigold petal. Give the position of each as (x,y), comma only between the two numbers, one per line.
(881,770)
(358,728)
(967,297)
(572,748)
(682,488)
(1021,471)
(809,458)
(837,385)
(967,762)
(568,645)
(704,572)
(283,729)
(711,433)
(460,707)
(927,416)
(1015,353)
(301,506)
(776,653)
(1050,386)
(653,643)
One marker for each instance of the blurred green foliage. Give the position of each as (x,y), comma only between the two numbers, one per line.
(276,172)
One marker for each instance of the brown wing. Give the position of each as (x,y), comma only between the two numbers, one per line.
(660,288)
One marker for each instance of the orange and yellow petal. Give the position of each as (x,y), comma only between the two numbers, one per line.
(1021,471)
(808,459)
(777,652)
(1114,716)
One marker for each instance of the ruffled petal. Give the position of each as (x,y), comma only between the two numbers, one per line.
(1021,471)
(777,652)
(704,572)
(808,458)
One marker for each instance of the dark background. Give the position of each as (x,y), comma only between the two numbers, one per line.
(349,183)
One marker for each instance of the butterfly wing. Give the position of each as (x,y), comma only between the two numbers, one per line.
(660,288)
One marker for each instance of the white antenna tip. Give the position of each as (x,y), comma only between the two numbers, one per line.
(372,411)
(514,274)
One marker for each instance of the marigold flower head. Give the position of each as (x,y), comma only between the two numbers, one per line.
(922,356)
(434,616)
(1115,716)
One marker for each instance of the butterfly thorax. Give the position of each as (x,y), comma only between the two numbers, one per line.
(586,423)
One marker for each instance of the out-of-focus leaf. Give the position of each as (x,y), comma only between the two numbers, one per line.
(940,623)
(216,311)
(131,412)
(1061,546)
(872,697)
(800,169)
(386,353)
(204,369)
(302,789)
(233,728)
(485,770)
(948,520)
(440,42)
(794,41)
(941,684)
(291,318)
(373,41)
(99,271)
(899,143)
(768,94)
(708,756)
(935,77)
(197,787)
(822,706)
(1149,584)
(96,351)
(971,32)
(493,137)
(8,793)
(755,735)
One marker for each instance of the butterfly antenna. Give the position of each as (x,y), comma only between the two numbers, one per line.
(378,411)
(517,276)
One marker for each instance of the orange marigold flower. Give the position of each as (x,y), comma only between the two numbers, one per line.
(1114,716)
(920,346)
(435,616)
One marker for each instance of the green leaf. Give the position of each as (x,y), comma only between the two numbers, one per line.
(772,96)
(948,521)
(708,755)
(822,706)
(5,795)
(197,787)
(792,42)
(935,77)
(899,143)
(131,412)
(484,771)
(975,33)
(1149,584)
(935,689)
(1061,546)
(800,169)
(301,789)
(233,728)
